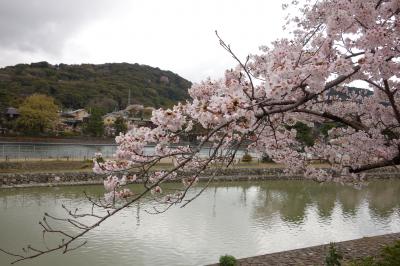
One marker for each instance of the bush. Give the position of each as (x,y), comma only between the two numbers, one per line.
(333,256)
(69,134)
(390,256)
(367,261)
(247,158)
(265,158)
(94,126)
(227,260)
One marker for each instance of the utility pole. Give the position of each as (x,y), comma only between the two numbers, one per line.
(129,97)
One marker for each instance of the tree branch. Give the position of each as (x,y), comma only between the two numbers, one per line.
(354,124)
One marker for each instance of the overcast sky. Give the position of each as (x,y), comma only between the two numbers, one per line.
(176,35)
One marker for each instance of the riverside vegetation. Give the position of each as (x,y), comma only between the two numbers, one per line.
(389,256)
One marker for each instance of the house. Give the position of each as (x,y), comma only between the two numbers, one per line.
(140,122)
(7,119)
(134,107)
(147,112)
(79,114)
(110,118)
(73,119)
(11,113)
(133,110)
(133,115)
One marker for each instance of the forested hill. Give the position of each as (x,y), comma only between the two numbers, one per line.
(88,85)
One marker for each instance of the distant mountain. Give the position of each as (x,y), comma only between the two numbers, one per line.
(89,85)
(346,92)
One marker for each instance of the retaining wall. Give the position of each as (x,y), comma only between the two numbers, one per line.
(232,174)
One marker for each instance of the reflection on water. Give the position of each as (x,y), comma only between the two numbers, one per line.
(239,218)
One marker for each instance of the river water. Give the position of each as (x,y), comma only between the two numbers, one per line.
(238,218)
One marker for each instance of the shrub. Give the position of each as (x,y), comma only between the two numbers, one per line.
(391,255)
(333,256)
(265,158)
(367,261)
(227,260)
(69,134)
(247,158)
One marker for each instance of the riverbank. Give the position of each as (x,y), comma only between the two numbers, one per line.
(351,250)
(45,166)
(64,165)
(87,177)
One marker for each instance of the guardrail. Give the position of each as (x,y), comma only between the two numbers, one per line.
(30,151)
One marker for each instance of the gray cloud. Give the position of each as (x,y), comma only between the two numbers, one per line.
(43,26)
(177,35)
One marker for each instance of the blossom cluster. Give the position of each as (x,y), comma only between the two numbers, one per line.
(307,78)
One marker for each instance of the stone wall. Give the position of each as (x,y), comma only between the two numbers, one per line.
(231,174)
(49,179)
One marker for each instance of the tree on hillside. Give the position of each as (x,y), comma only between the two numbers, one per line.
(335,42)
(38,114)
(95,125)
(304,133)
(106,104)
(103,86)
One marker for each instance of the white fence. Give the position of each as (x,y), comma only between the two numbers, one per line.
(34,151)
(52,151)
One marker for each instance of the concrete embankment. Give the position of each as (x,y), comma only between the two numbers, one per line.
(9,180)
(351,250)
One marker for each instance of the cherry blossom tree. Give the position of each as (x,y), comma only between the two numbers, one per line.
(334,44)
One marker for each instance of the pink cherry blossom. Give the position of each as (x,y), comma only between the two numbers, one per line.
(303,78)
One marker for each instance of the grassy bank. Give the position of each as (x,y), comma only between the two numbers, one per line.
(48,166)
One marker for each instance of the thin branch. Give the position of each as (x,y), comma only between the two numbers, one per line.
(243,66)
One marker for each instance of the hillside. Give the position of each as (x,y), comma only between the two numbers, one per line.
(89,85)
(344,94)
